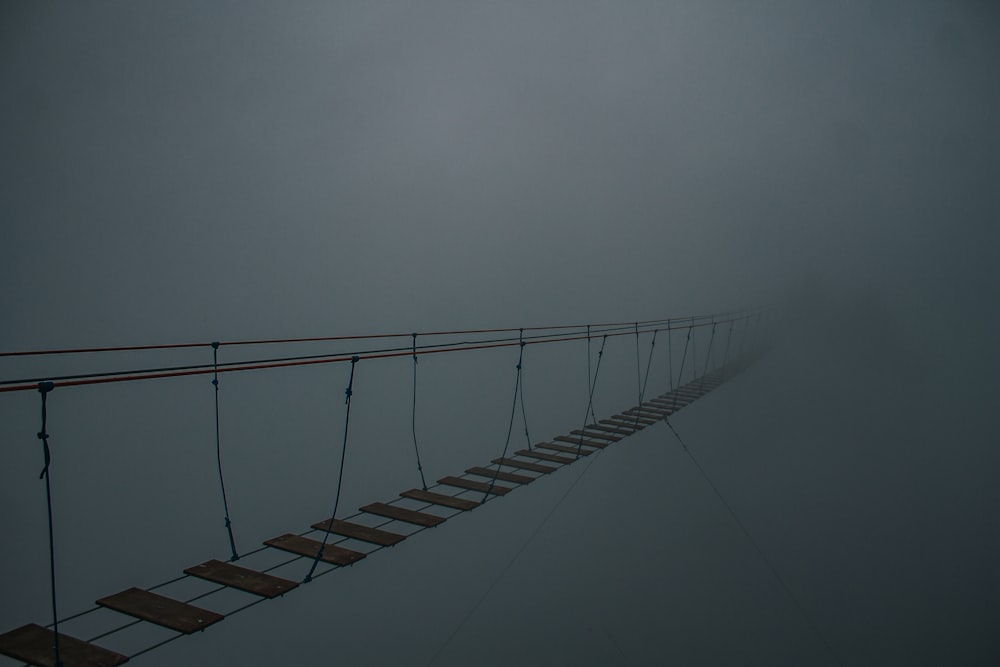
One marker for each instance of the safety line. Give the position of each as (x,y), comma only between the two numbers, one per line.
(312,339)
(201,370)
(30,383)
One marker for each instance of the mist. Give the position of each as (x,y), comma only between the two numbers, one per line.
(183,172)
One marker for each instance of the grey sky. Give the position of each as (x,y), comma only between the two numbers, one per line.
(194,171)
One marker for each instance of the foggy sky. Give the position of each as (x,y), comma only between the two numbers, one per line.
(190,171)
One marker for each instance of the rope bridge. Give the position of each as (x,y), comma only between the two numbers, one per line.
(338,541)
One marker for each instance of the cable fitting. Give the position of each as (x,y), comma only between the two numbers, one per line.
(46,386)
(215,344)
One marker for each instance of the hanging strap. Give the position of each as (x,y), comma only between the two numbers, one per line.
(589,379)
(218,451)
(670,355)
(590,398)
(520,387)
(413,419)
(645,380)
(44,388)
(680,373)
(510,424)
(708,356)
(349,392)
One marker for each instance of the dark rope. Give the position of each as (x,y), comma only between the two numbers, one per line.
(729,339)
(670,355)
(645,380)
(218,453)
(638,369)
(680,373)
(44,388)
(589,381)
(590,400)
(520,387)
(340,476)
(413,417)
(708,355)
(760,552)
(510,424)
(694,357)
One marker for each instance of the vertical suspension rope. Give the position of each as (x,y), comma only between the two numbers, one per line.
(218,453)
(708,356)
(729,339)
(413,415)
(680,373)
(670,355)
(44,388)
(589,381)
(645,380)
(510,424)
(638,367)
(590,400)
(520,388)
(694,353)
(349,392)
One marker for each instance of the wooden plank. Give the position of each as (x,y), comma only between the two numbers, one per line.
(621,426)
(161,610)
(35,645)
(251,581)
(632,422)
(524,465)
(402,514)
(304,546)
(361,532)
(577,440)
(618,430)
(472,485)
(600,435)
(542,456)
(565,448)
(500,474)
(440,499)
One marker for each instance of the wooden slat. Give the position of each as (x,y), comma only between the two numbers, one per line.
(402,514)
(600,435)
(35,645)
(472,485)
(524,465)
(576,441)
(618,430)
(542,456)
(304,546)
(251,581)
(620,425)
(565,448)
(648,408)
(440,499)
(500,474)
(632,422)
(161,610)
(361,532)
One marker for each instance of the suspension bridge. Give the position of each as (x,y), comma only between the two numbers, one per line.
(323,544)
